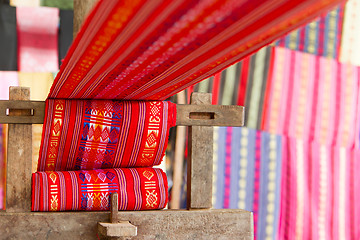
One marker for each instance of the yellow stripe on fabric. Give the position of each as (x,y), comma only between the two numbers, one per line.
(39,84)
(342,193)
(215,163)
(300,189)
(323,170)
(229,85)
(293,36)
(331,33)
(312,37)
(243,167)
(256,88)
(271,188)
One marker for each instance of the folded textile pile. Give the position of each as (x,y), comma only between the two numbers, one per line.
(138,189)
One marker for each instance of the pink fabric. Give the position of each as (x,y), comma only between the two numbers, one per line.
(7,79)
(37,39)
(313,98)
(319,198)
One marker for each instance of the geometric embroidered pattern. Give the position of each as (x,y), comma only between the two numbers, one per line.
(89,190)
(95,134)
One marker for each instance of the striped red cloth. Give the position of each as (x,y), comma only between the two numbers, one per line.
(153,49)
(138,189)
(144,50)
(93,134)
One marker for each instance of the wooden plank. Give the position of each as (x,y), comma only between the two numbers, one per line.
(114,208)
(214,115)
(121,229)
(162,224)
(200,159)
(178,170)
(187,115)
(34,115)
(81,10)
(18,171)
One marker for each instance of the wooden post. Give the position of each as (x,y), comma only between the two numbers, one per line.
(81,9)
(114,208)
(178,159)
(18,171)
(200,158)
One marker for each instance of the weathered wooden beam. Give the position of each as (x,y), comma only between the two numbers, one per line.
(162,224)
(200,157)
(178,171)
(210,115)
(19,152)
(114,208)
(116,229)
(187,115)
(34,114)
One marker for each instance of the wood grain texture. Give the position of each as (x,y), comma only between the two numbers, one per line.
(187,115)
(18,171)
(35,111)
(114,207)
(178,169)
(121,229)
(210,115)
(200,159)
(81,10)
(162,224)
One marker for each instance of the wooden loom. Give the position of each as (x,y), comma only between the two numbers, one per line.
(199,221)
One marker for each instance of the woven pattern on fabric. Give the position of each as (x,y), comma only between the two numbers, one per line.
(88,134)
(138,189)
(152,50)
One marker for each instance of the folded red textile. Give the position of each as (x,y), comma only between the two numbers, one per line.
(153,49)
(138,189)
(93,134)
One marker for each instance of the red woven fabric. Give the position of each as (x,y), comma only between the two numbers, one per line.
(152,49)
(93,134)
(138,189)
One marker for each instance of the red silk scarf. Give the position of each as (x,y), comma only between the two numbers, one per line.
(150,50)
(138,189)
(93,134)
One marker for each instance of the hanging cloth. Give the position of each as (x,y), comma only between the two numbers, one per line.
(150,50)
(37,39)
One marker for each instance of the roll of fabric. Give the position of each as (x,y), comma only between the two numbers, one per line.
(138,189)
(92,134)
